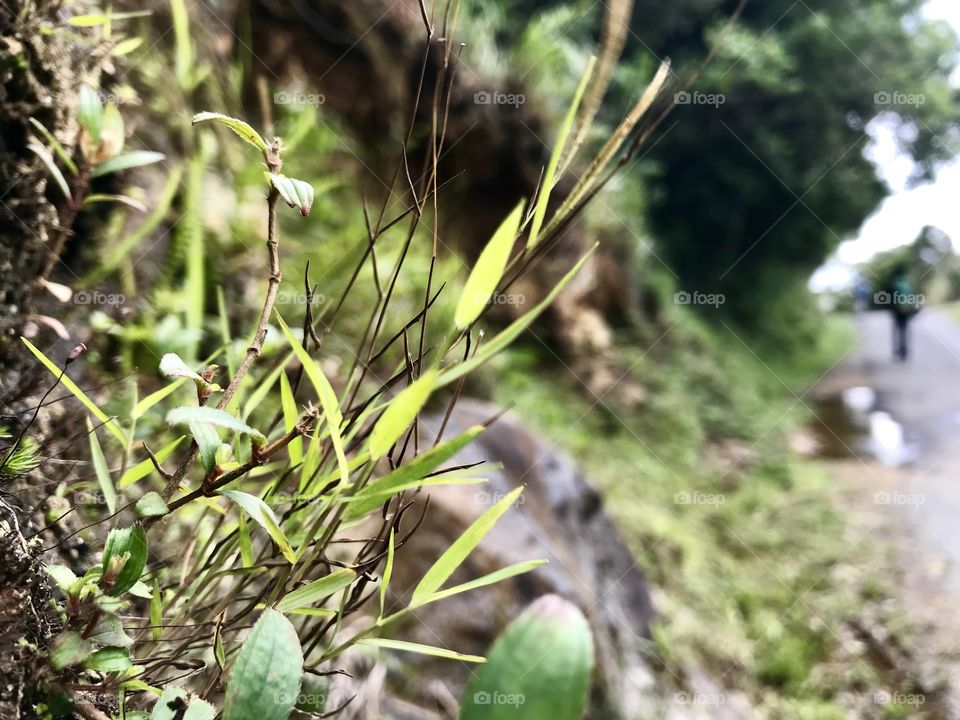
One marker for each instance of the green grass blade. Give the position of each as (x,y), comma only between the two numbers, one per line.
(488,271)
(328,399)
(101,469)
(78,393)
(454,556)
(317,590)
(400,413)
(290,417)
(549,177)
(511,332)
(419,649)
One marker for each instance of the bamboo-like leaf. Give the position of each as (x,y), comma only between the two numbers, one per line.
(412,471)
(549,177)
(122,199)
(265,679)
(296,193)
(137,158)
(145,467)
(141,408)
(368,500)
(496,576)
(211,416)
(400,413)
(125,47)
(101,470)
(78,393)
(156,612)
(387,573)
(328,399)
(264,386)
(90,112)
(238,126)
(317,590)
(47,159)
(290,418)
(488,271)
(261,514)
(244,543)
(511,332)
(454,556)
(55,144)
(419,649)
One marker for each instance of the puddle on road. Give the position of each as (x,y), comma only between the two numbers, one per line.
(851,425)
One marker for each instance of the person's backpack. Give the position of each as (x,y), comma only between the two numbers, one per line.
(904,296)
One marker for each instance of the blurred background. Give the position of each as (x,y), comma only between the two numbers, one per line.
(737,424)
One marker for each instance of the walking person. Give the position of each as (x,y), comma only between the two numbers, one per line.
(904,303)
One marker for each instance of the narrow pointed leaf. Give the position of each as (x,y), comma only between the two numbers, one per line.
(290,418)
(488,271)
(137,158)
(400,413)
(140,409)
(419,649)
(454,556)
(549,177)
(101,469)
(261,514)
(238,126)
(55,144)
(145,467)
(511,332)
(317,590)
(78,393)
(328,399)
(489,579)
(47,159)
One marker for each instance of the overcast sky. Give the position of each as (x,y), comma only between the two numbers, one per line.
(902,215)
